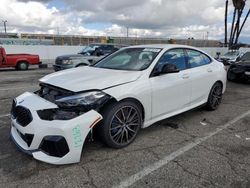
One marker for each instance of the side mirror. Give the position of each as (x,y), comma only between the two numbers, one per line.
(169,68)
(98,52)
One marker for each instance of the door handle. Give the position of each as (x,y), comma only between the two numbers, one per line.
(185,76)
(209,70)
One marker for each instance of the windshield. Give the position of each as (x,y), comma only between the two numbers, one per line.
(90,48)
(134,59)
(231,54)
(246,57)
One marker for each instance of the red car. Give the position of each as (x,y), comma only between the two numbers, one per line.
(19,61)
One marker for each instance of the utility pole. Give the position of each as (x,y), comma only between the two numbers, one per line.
(4,24)
(226,13)
(127,34)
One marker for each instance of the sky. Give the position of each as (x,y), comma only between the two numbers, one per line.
(143,18)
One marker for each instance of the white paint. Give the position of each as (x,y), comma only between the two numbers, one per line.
(45,52)
(203,123)
(238,136)
(4,115)
(51,52)
(155,166)
(17,88)
(74,130)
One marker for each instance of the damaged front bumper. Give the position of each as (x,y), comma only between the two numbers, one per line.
(55,142)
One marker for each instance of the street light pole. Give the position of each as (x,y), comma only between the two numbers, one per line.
(4,24)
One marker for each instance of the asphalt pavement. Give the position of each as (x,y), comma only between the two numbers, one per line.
(198,148)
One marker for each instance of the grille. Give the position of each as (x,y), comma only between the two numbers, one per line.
(22,115)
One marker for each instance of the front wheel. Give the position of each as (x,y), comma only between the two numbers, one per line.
(121,124)
(215,96)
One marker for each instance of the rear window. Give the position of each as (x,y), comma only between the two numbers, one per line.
(196,58)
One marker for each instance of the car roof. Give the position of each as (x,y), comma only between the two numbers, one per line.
(164,46)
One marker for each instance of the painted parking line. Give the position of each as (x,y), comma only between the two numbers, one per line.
(4,115)
(16,88)
(155,166)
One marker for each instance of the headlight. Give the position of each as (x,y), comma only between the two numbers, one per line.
(88,100)
(67,62)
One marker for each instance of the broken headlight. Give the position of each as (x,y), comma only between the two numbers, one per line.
(73,106)
(84,101)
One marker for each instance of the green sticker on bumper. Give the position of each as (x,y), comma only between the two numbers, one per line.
(77,136)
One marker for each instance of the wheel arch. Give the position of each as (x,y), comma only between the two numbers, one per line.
(130,99)
(136,101)
(220,82)
(22,61)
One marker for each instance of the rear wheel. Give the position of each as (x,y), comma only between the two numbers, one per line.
(215,96)
(23,65)
(121,124)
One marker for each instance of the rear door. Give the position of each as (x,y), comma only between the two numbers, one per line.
(201,75)
(171,92)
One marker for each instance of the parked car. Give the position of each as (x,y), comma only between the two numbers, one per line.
(240,71)
(126,91)
(231,57)
(89,55)
(18,61)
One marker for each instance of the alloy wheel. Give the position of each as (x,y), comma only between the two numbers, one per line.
(124,125)
(216,96)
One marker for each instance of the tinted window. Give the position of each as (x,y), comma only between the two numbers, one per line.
(175,56)
(197,59)
(206,59)
(246,57)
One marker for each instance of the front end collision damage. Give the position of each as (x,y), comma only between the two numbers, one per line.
(56,137)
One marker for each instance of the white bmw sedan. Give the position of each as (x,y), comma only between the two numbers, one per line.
(124,92)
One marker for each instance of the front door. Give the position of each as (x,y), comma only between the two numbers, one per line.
(171,92)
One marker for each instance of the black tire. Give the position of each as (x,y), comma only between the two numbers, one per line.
(23,65)
(121,124)
(231,76)
(43,66)
(215,97)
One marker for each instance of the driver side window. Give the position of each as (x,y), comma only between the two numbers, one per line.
(176,57)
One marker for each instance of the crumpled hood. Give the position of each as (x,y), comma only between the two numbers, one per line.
(88,78)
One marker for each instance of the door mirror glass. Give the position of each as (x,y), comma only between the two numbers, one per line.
(98,52)
(169,68)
